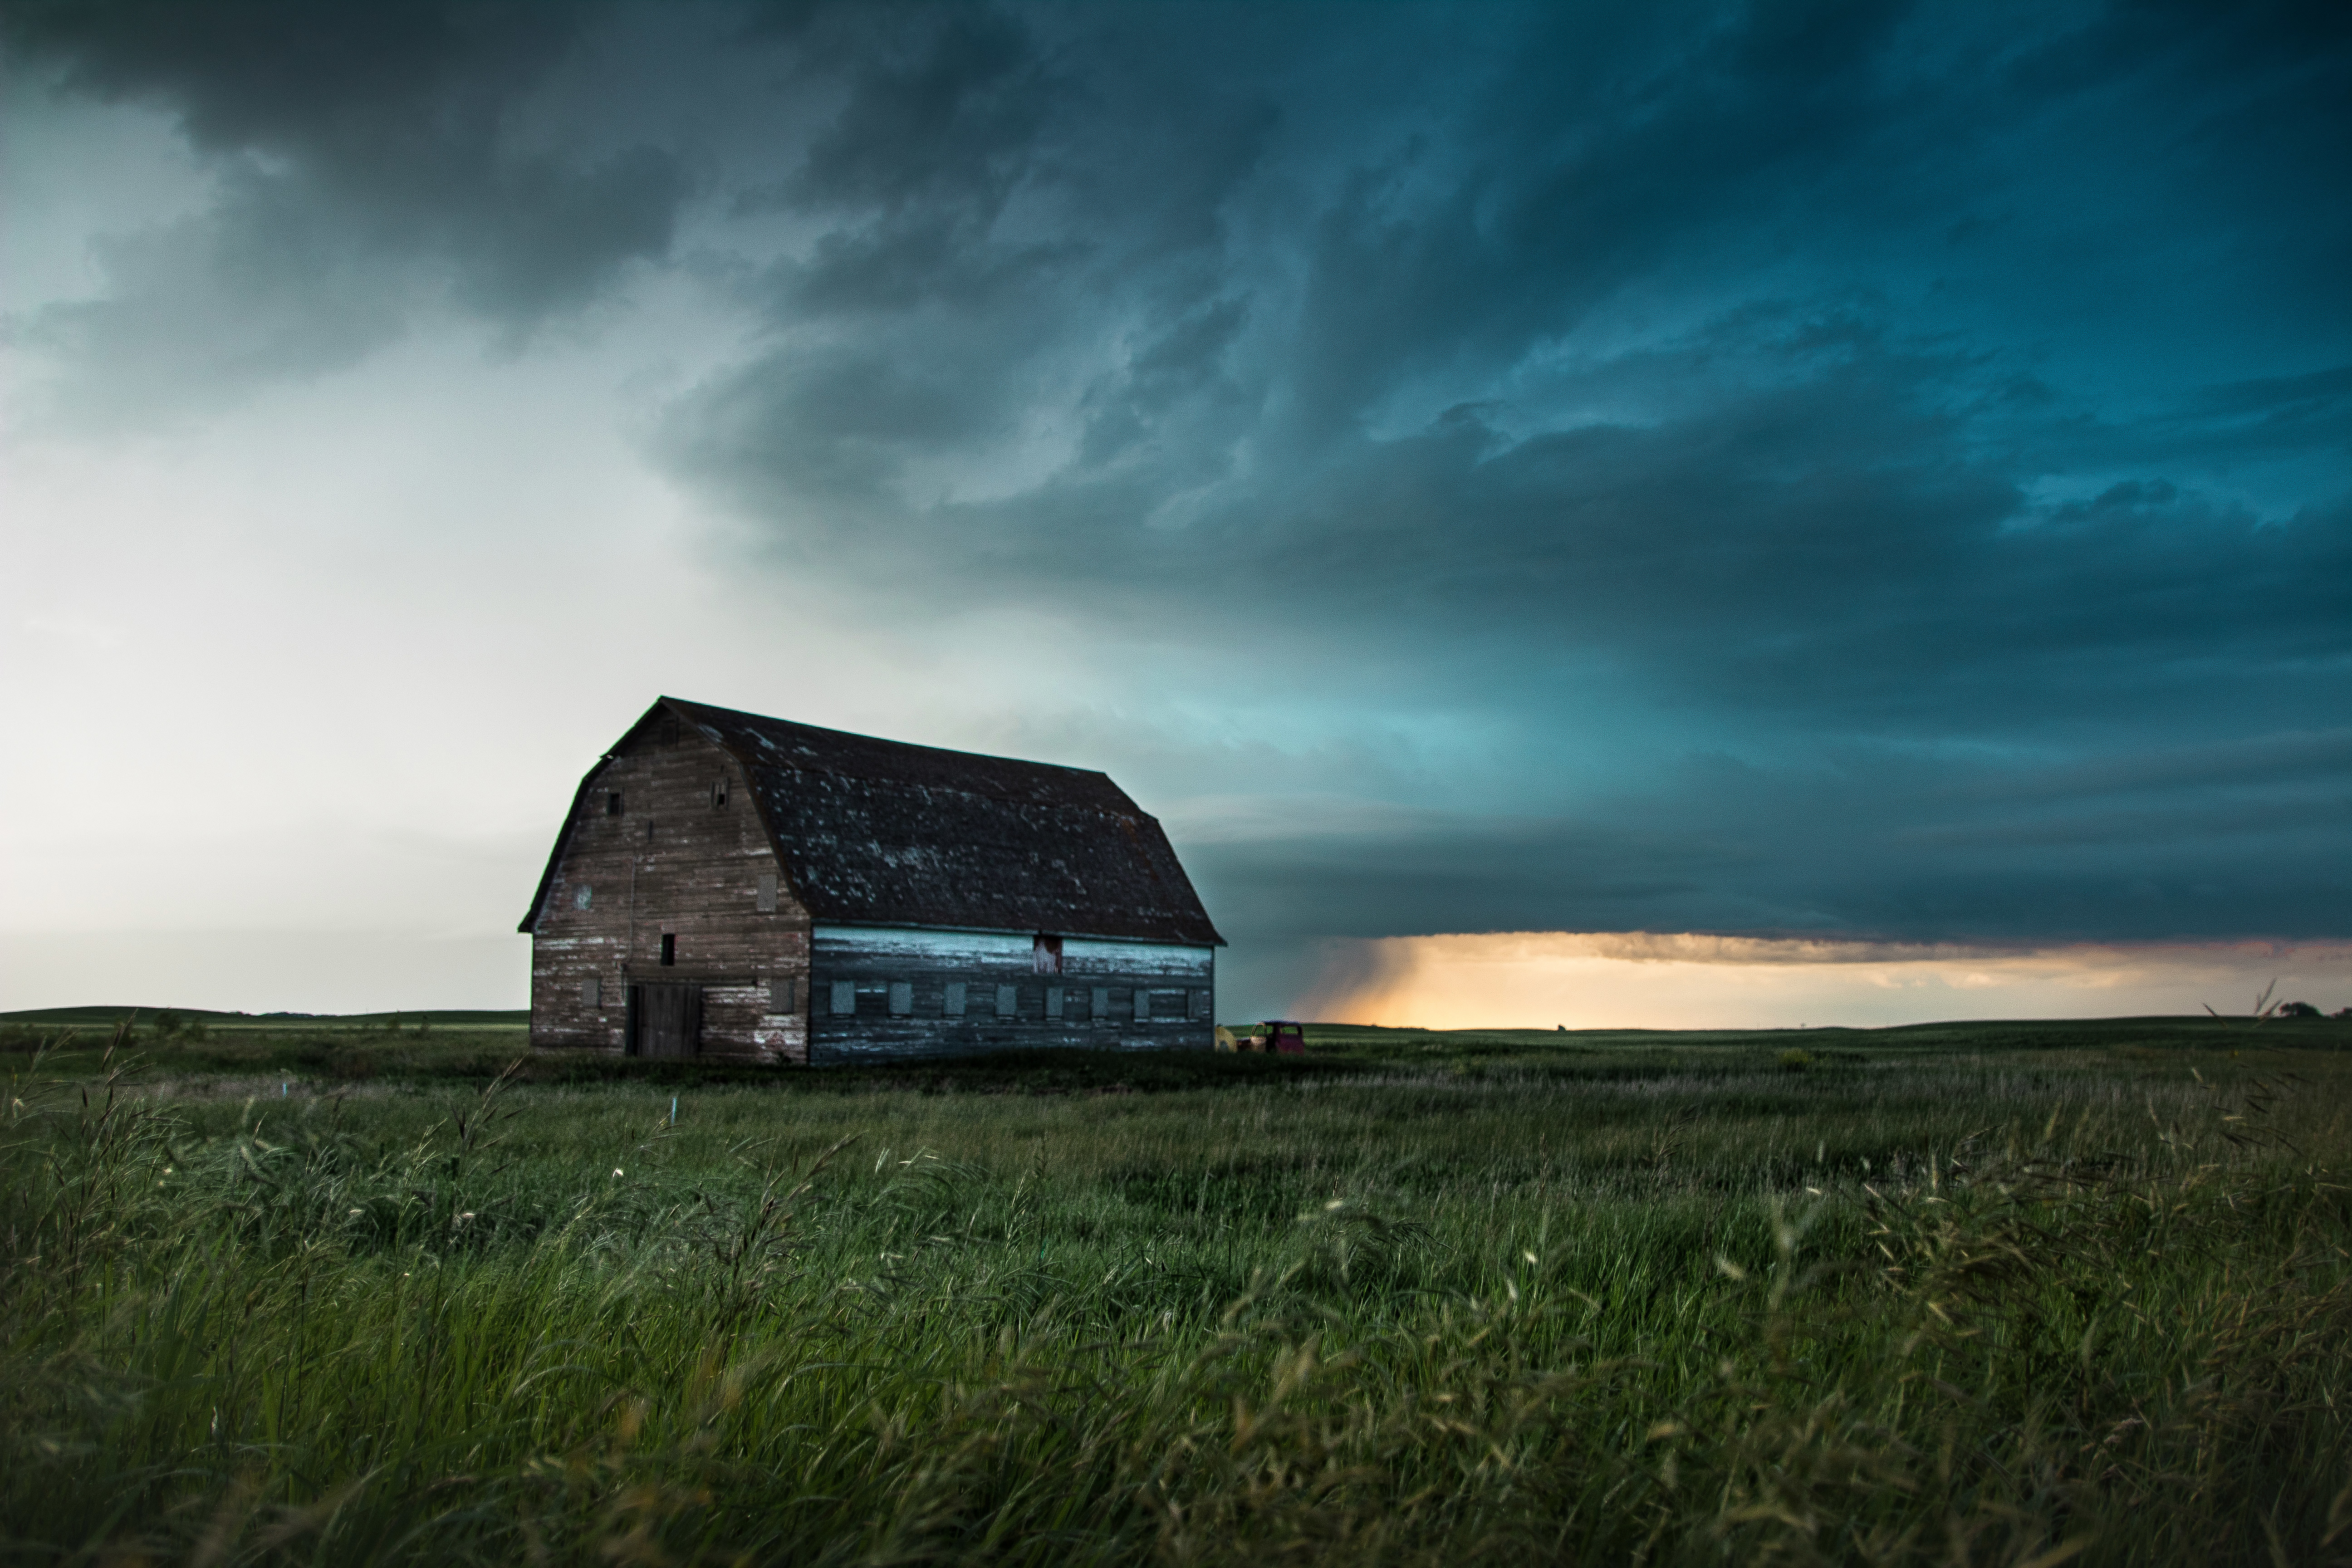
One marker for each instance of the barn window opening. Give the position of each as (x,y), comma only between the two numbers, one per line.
(1142,1005)
(581,895)
(613,803)
(953,1007)
(1008,1001)
(669,947)
(719,793)
(845,998)
(780,996)
(902,998)
(767,893)
(649,830)
(1045,954)
(591,991)
(1101,1003)
(1052,1001)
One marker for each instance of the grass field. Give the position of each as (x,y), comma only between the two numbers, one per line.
(303,1291)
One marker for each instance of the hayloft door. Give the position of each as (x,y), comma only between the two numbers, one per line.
(668,1020)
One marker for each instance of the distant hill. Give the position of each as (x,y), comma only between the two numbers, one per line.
(107,1017)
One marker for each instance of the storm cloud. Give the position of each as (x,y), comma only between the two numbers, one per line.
(368,159)
(1876,470)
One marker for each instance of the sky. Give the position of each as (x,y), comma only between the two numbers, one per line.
(1638,513)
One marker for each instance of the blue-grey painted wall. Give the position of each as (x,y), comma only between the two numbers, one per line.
(925,993)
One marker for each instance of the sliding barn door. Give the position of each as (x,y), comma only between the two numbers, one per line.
(668,1020)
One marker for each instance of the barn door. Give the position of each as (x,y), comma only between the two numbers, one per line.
(668,1020)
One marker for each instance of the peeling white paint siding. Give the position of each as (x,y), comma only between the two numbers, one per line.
(989,950)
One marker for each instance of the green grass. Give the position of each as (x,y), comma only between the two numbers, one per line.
(1965,1293)
(34,1026)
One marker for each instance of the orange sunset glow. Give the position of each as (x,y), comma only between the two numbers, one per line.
(1642,980)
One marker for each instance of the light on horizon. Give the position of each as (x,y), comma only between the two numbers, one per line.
(1642,980)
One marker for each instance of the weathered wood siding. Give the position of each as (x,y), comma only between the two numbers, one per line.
(680,860)
(902,986)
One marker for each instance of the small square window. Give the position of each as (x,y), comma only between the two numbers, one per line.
(719,793)
(767,893)
(954,1005)
(845,998)
(591,991)
(1142,1004)
(902,998)
(613,803)
(1053,1001)
(1100,1009)
(780,997)
(581,896)
(1008,1001)
(669,947)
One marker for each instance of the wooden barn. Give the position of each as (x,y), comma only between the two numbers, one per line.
(732,886)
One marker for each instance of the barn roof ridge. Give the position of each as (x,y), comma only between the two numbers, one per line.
(848,760)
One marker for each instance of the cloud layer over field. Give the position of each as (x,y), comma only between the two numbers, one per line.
(1863,471)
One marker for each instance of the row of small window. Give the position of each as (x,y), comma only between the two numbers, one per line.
(613,802)
(959,999)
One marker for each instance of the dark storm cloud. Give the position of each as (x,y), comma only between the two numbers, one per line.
(1835,543)
(1907,445)
(2151,846)
(368,163)
(1925,507)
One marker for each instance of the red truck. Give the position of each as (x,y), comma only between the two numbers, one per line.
(1280,1035)
(1277,1034)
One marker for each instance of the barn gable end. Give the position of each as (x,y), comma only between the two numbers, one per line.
(665,876)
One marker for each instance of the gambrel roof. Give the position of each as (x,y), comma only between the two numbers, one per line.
(882,832)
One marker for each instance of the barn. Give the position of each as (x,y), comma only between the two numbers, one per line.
(731,886)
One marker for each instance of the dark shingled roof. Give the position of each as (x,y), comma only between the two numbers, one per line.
(883,833)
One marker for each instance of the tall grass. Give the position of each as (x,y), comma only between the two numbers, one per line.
(1959,1310)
